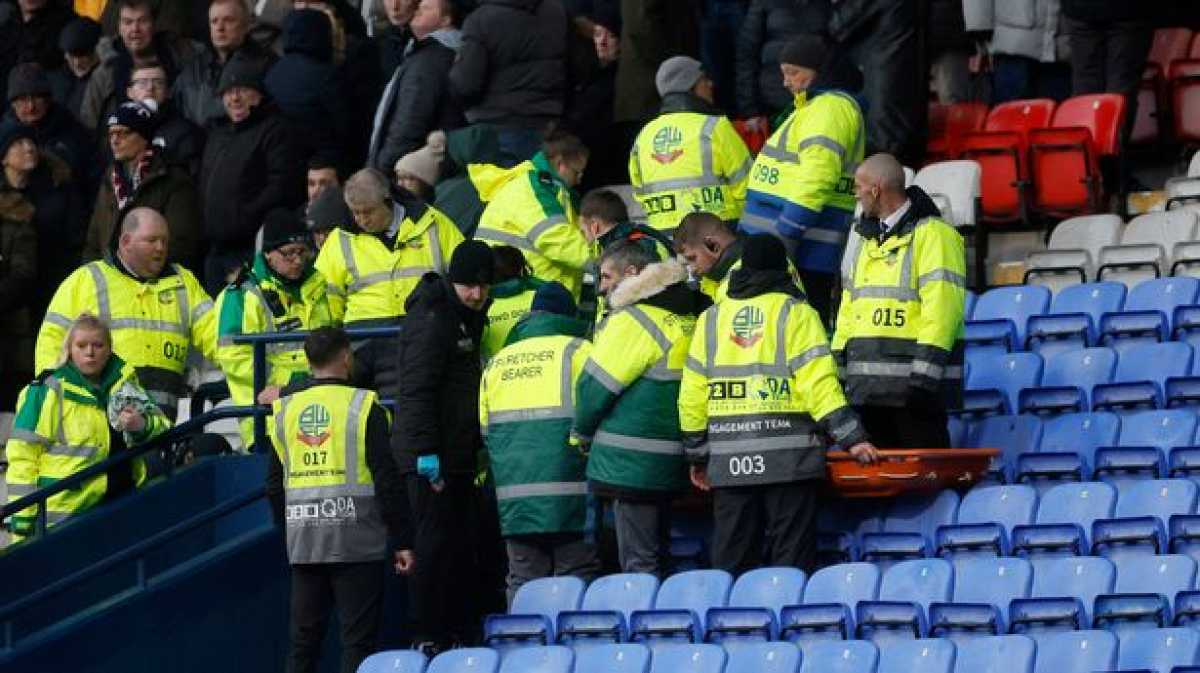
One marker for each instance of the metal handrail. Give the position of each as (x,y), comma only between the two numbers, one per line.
(39,497)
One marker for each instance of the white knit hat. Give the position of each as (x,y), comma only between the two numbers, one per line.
(424,164)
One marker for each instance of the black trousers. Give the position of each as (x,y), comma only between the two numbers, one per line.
(819,288)
(355,590)
(909,427)
(784,514)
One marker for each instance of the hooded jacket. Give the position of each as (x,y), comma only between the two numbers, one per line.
(512,67)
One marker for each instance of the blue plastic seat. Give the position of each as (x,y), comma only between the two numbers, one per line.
(603,616)
(466,660)
(905,594)
(1145,439)
(838,529)
(970,300)
(933,655)
(533,613)
(1075,652)
(1013,435)
(1139,524)
(1064,520)
(764,658)
(1064,590)
(755,602)
(909,528)
(829,597)
(679,609)
(1149,308)
(1068,379)
(995,382)
(1068,448)
(1158,650)
(985,517)
(853,656)
(1074,318)
(995,654)
(694,658)
(1144,591)
(623,658)
(1141,376)
(394,661)
(983,589)
(549,659)
(1001,315)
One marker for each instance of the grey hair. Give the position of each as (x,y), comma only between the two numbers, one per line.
(625,254)
(367,187)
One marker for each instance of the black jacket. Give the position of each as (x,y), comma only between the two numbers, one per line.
(182,141)
(390,43)
(417,103)
(512,67)
(62,135)
(1111,10)
(248,169)
(769,25)
(67,90)
(389,486)
(35,41)
(437,406)
(195,91)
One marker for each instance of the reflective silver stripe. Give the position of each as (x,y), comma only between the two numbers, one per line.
(348,258)
(826,142)
(353,414)
(335,491)
(926,368)
(781,321)
(149,325)
(55,385)
(519,242)
(330,288)
(185,315)
(281,434)
(73,451)
(760,223)
(903,290)
(710,337)
(201,309)
(363,282)
(739,371)
(550,488)
(435,246)
(695,365)
(849,166)
(841,431)
(946,275)
(706,147)
(57,319)
(801,441)
(659,446)
(20,490)
(536,231)
(604,378)
(779,150)
(823,235)
(742,171)
(651,328)
(796,363)
(103,305)
(662,373)
(566,391)
(28,436)
(675,184)
(538,414)
(894,369)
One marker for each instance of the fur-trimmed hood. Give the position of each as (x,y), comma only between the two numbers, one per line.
(652,280)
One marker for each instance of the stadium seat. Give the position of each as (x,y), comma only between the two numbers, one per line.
(1068,449)
(1146,437)
(1140,521)
(958,181)
(1064,159)
(1064,590)
(909,528)
(1068,379)
(984,518)
(905,594)
(1158,650)
(829,597)
(1013,435)
(604,614)
(533,613)
(623,658)
(1064,520)
(1074,318)
(1001,150)
(994,382)
(1073,255)
(1001,315)
(995,654)
(1075,652)
(1145,588)
(983,589)
(838,529)
(757,598)
(1142,372)
(394,661)
(1151,123)
(694,658)
(1149,309)
(680,607)
(1146,247)
(764,658)
(855,656)
(466,660)
(949,125)
(933,655)
(549,659)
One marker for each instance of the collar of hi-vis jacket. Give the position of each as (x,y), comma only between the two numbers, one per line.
(263,273)
(113,371)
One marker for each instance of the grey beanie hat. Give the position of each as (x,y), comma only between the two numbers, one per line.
(678,74)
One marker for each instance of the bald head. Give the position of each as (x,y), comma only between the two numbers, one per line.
(142,246)
(879,185)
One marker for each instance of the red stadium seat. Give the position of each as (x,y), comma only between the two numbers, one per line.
(1001,151)
(1170,44)
(1064,159)
(1020,115)
(948,125)
(1185,96)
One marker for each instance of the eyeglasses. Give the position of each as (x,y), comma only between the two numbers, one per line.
(292,254)
(150,82)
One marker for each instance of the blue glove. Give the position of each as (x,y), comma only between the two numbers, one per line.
(430,467)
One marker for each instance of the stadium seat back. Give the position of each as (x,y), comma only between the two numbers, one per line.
(1101,114)
(1076,652)
(1163,429)
(1158,650)
(764,658)
(921,513)
(1013,435)
(623,658)
(1164,574)
(1154,362)
(931,655)
(1157,497)
(1015,303)
(1020,115)
(623,592)
(548,659)
(695,658)
(1082,577)
(771,588)
(548,596)
(1000,156)
(1081,433)
(1080,503)
(1083,368)
(845,583)
(394,661)
(996,654)
(466,660)
(696,590)
(956,180)
(920,581)
(1065,171)
(1009,505)
(1164,228)
(1087,232)
(1007,374)
(849,656)
(992,580)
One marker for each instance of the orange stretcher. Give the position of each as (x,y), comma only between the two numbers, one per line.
(906,471)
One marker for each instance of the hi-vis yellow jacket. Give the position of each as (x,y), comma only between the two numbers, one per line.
(530,208)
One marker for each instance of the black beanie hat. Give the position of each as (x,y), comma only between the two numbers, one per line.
(27,79)
(281,227)
(136,117)
(763,252)
(80,36)
(329,211)
(806,51)
(11,132)
(241,71)
(552,297)
(471,264)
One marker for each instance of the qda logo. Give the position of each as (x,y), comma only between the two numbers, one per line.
(747,326)
(314,425)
